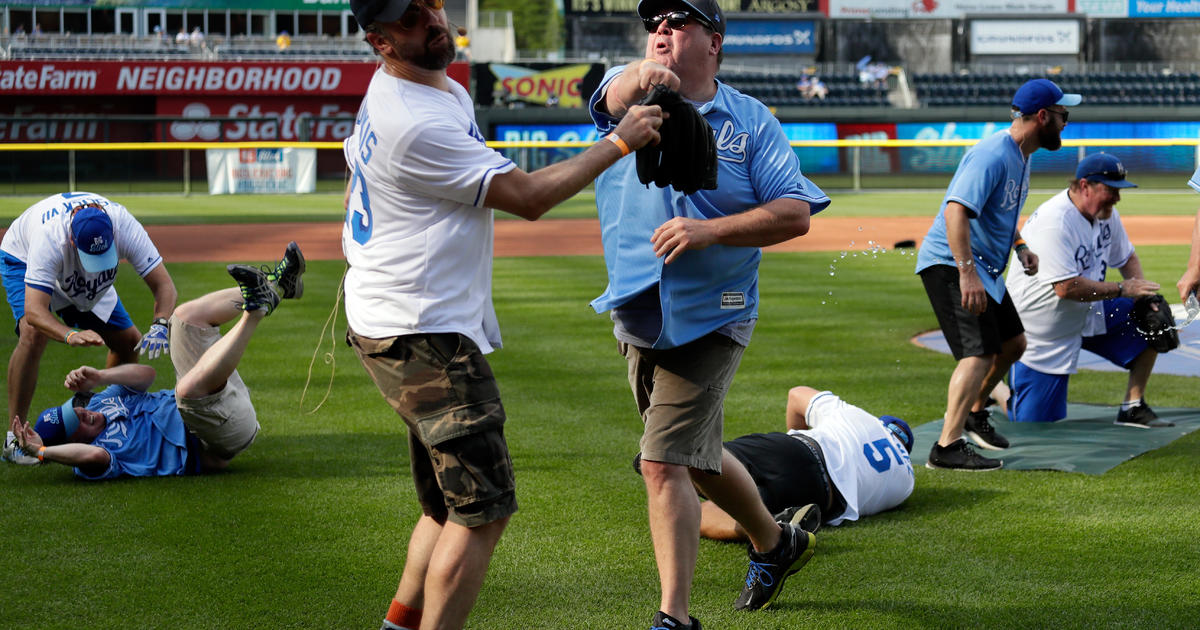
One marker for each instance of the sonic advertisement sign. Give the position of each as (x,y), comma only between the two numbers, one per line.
(537,84)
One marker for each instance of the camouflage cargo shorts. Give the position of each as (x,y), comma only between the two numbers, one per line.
(444,389)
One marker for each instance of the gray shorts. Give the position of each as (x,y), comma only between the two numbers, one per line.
(225,421)
(680,393)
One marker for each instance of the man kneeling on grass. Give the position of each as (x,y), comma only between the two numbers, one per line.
(836,463)
(125,430)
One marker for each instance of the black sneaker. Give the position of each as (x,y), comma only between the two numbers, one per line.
(287,272)
(960,456)
(980,430)
(257,292)
(663,621)
(806,517)
(1143,417)
(764,579)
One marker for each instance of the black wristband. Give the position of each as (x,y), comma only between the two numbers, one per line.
(159,320)
(1120,289)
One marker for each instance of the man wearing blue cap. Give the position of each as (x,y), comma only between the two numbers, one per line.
(125,430)
(835,463)
(59,261)
(1068,305)
(962,261)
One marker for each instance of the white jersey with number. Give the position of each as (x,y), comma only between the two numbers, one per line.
(41,238)
(867,463)
(417,236)
(1067,245)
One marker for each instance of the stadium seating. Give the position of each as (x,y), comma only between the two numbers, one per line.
(1098,88)
(778,89)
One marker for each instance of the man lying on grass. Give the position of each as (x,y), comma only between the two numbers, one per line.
(126,430)
(836,463)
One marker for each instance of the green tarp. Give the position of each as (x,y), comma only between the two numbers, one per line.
(1086,441)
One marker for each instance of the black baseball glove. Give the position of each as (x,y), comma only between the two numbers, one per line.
(686,157)
(1157,326)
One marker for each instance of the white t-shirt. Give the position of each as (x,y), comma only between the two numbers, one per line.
(417,237)
(867,463)
(41,238)
(1067,246)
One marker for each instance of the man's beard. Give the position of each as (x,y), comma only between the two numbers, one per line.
(1050,139)
(430,55)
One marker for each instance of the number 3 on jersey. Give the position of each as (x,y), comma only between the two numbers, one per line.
(880,454)
(358,208)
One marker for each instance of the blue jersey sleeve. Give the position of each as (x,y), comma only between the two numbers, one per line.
(604,121)
(975,181)
(1194,182)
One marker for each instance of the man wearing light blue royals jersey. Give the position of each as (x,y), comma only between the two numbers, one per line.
(962,261)
(683,291)
(1189,282)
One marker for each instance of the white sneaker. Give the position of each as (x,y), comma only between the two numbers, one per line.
(13,453)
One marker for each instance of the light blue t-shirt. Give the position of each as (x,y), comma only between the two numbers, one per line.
(1194,182)
(145,436)
(992,182)
(702,290)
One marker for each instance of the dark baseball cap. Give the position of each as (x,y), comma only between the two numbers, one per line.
(1104,168)
(900,429)
(1039,94)
(368,12)
(92,230)
(708,10)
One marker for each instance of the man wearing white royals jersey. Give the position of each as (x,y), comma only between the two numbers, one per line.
(962,261)
(1068,305)
(683,291)
(418,239)
(836,457)
(59,262)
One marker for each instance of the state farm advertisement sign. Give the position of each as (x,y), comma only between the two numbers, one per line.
(165,78)
(327,120)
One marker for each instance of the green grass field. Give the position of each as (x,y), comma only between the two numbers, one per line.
(308,528)
(157,209)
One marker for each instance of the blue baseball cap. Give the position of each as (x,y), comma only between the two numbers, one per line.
(92,230)
(900,429)
(57,424)
(368,12)
(1104,168)
(1039,94)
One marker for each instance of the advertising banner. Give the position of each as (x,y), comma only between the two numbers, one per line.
(1026,37)
(872,159)
(1164,8)
(770,37)
(541,84)
(943,8)
(1102,8)
(629,7)
(260,171)
(287,118)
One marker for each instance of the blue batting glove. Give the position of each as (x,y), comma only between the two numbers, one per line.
(154,342)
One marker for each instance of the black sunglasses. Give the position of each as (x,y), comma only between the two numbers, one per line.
(675,19)
(1065,114)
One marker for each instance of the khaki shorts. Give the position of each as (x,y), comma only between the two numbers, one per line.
(225,421)
(680,393)
(443,388)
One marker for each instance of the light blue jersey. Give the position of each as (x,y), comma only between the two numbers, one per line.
(992,181)
(1194,182)
(145,436)
(702,290)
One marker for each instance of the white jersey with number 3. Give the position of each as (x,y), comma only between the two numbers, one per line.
(417,236)
(867,463)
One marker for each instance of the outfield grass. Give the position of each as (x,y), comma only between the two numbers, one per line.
(307,529)
(157,209)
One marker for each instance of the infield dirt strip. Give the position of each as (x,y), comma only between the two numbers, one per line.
(574,237)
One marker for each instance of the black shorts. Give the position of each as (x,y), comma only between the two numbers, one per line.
(967,334)
(787,472)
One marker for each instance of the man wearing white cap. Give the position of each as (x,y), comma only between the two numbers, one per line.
(59,261)
(962,261)
(1068,305)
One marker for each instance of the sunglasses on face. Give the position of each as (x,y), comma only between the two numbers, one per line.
(412,14)
(675,19)
(1064,114)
